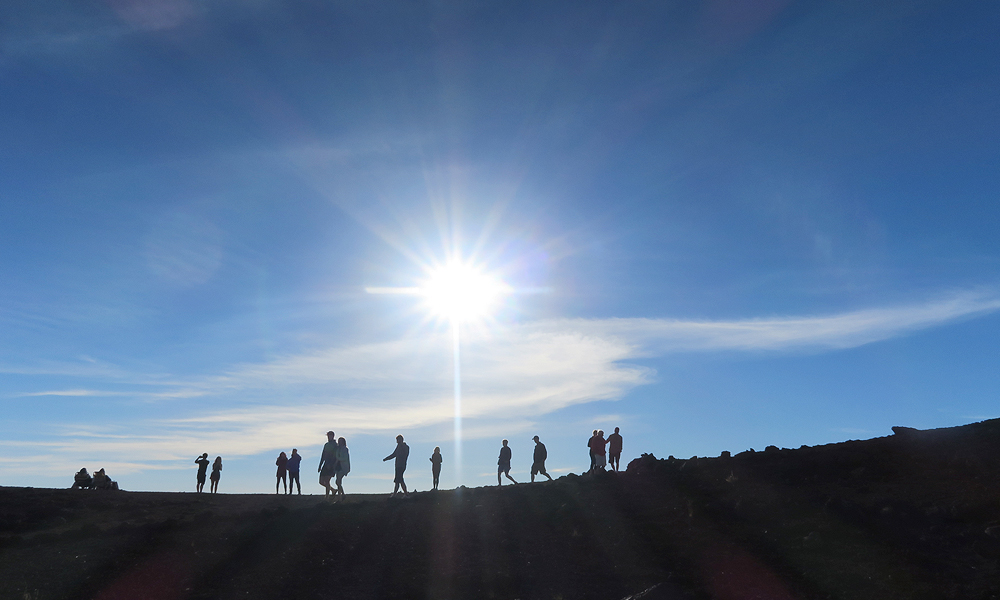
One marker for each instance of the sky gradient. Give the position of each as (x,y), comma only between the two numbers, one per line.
(727,225)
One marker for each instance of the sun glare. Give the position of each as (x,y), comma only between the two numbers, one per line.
(461,292)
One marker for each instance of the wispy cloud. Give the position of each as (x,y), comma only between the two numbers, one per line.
(822,332)
(511,374)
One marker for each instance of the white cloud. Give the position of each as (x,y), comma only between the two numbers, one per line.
(510,375)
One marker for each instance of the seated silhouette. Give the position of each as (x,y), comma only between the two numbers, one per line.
(103,482)
(82,480)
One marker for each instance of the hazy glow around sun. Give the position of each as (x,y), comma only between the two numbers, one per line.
(462,292)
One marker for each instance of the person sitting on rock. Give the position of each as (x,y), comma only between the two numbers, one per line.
(101,481)
(82,480)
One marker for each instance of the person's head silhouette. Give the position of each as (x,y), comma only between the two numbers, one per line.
(616,430)
(331,436)
(399,439)
(535,438)
(505,442)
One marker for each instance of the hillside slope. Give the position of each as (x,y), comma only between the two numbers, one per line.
(913,515)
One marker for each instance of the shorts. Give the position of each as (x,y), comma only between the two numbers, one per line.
(324,480)
(201,478)
(503,468)
(599,461)
(538,467)
(399,475)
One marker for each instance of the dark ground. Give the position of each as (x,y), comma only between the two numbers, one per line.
(914,515)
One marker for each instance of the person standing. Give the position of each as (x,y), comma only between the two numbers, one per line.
(614,449)
(282,473)
(328,462)
(401,453)
(598,448)
(590,444)
(436,465)
(202,462)
(293,470)
(538,460)
(503,463)
(216,475)
(343,464)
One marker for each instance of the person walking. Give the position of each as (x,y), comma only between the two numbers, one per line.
(401,453)
(615,449)
(328,462)
(282,473)
(436,465)
(202,462)
(216,475)
(343,464)
(293,470)
(538,460)
(503,463)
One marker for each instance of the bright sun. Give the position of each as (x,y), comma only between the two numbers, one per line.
(461,292)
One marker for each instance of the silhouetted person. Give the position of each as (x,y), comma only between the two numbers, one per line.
(614,449)
(590,444)
(216,475)
(436,465)
(597,447)
(538,460)
(102,481)
(282,472)
(82,480)
(401,453)
(343,464)
(293,470)
(202,462)
(328,462)
(503,463)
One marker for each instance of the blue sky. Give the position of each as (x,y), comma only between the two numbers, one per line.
(728,225)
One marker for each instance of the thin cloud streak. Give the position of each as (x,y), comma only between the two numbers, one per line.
(824,332)
(511,375)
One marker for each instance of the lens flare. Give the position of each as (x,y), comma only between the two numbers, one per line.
(461,292)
